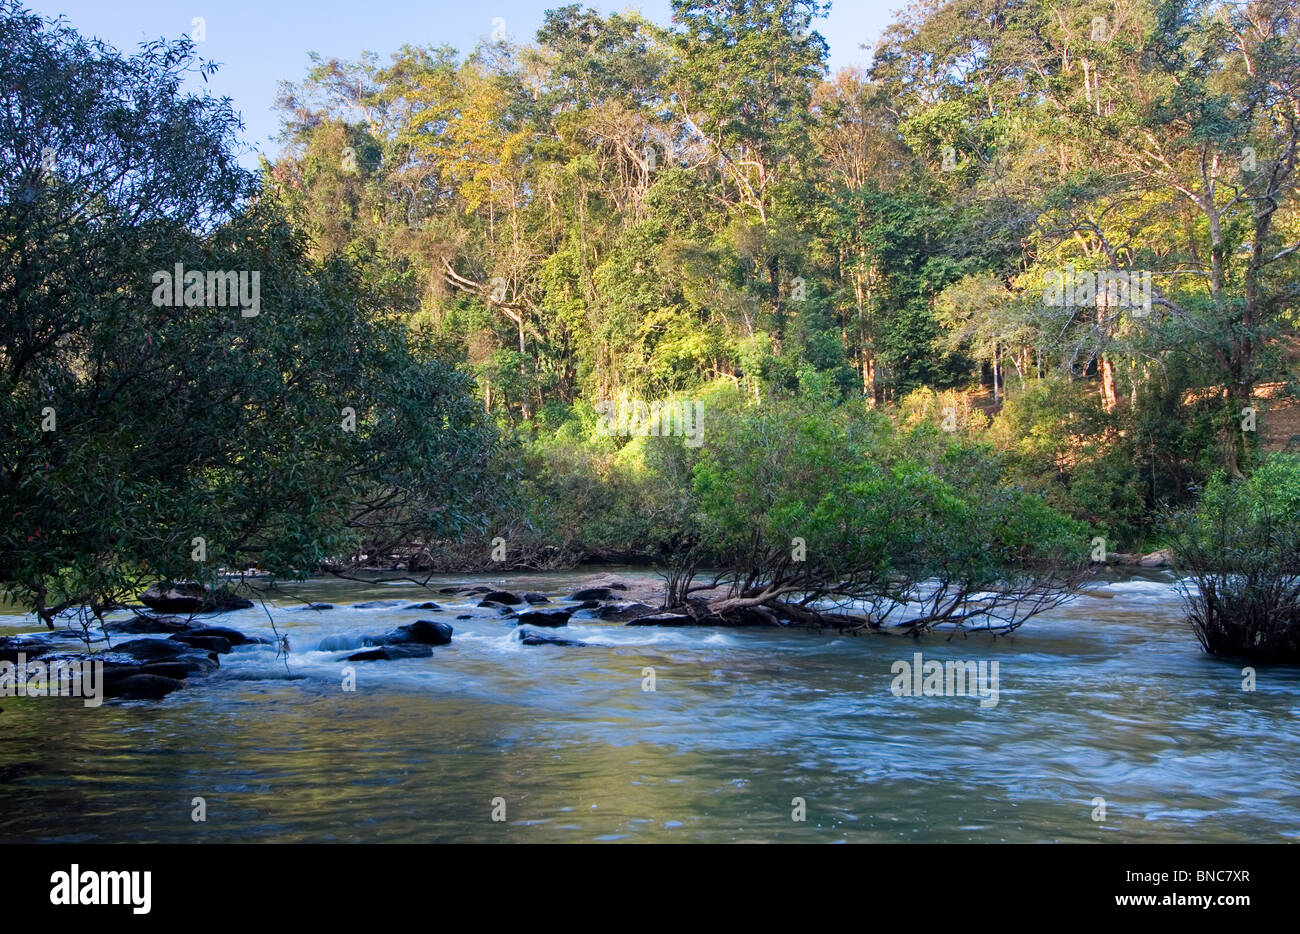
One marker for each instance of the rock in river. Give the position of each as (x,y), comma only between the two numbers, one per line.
(422,631)
(153,650)
(390,652)
(662,619)
(217,644)
(141,624)
(233,636)
(528,637)
(622,612)
(188,597)
(592,593)
(543,618)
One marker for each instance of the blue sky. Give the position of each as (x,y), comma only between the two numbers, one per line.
(262,42)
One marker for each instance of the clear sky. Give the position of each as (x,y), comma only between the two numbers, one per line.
(262,42)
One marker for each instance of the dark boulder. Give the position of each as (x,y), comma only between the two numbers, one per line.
(465,616)
(472,591)
(592,593)
(544,618)
(536,597)
(503,596)
(503,610)
(598,593)
(152,650)
(141,624)
(422,631)
(587,605)
(10,649)
(423,606)
(622,612)
(528,637)
(186,597)
(141,687)
(233,636)
(217,644)
(181,668)
(318,607)
(178,670)
(390,652)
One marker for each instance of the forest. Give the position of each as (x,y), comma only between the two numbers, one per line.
(929,331)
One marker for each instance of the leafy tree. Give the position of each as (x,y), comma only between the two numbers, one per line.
(147,437)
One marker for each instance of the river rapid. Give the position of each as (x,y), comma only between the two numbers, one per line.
(746,729)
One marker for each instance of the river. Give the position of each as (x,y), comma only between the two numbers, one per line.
(1110,697)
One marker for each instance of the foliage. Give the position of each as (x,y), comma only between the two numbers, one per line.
(1240,547)
(144,439)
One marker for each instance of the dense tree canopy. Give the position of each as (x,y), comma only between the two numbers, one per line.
(624,208)
(1064,237)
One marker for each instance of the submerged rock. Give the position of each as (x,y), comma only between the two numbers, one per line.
(544,618)
(528,637)
(662,619)
(318,607)
(390,652)
(141,686)
(423,606)
(375,604)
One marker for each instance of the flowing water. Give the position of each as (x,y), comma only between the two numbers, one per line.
(1107,697)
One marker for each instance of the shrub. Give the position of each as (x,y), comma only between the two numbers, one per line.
(1240,550)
